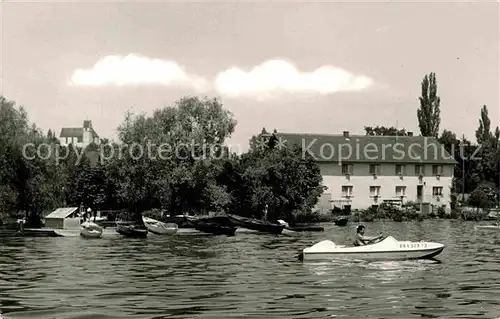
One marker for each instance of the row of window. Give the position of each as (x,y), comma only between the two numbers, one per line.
(399,191)
(79,139)
(400,169)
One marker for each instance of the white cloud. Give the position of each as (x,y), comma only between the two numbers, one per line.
(133,69)
(280,76)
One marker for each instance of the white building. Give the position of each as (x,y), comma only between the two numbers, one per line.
(362,171)
(79,136)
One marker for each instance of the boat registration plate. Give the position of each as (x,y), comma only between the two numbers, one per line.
(413,245)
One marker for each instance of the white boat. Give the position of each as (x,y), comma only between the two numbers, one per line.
(489,227)
(158,228)
(386,249)
(90,230)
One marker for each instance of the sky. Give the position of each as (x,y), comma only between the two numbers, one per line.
(298,67)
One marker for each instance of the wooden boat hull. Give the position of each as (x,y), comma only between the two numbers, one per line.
(488,227)
(85,233)
(131,231)
(341,221)
(181,221)
(258,225)
(213,225)
(158,228)
(306,228)
(91,230)
(216,229)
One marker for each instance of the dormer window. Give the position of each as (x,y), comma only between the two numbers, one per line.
(374,169)
(400,169)
(437,170)
(347,169)
(419,170)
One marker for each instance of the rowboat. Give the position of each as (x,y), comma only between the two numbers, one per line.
(342,221)
(158,228)
(132,231)
(90,230)
(255,224)
(488,227)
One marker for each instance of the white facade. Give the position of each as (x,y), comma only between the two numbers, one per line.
(360,171)
(363,191)
(79,136)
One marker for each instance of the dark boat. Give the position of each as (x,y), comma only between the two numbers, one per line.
(255,224)
(182,221)
(216,229)
(306,228)
(341,221)
(217,225)
(213,225)
(131,231)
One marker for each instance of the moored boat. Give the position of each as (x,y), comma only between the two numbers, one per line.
(90,230)
(216,229)
(386,249)
(341,221)
(182,221)
(300,228)
(132,231)
(255,224)
(159,228)
(305,228)
(218,225)
(488,227)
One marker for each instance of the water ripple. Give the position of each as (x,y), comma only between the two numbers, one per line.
(248,276)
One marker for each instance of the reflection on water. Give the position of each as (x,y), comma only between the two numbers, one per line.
(248,276)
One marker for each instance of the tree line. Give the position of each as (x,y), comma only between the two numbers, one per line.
(197,174)
(478,170)
(265,182)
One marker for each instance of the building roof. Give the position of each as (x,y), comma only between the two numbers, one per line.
(71,132)
(62,212)
(362,148)
(78,131)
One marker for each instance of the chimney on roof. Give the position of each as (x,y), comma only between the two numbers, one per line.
(346,134)
(410,133)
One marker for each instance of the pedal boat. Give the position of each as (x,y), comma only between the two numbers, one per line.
(387,248)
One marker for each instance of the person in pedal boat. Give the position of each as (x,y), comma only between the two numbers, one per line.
(361,239)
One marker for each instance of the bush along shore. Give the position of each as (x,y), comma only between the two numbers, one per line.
(410,212)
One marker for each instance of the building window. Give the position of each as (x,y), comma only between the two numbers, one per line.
(374,190)
(347,169)
(374,168)
(437,191)
(400,169)
(437,169)
(80,139)
(419,170)
(346,191)
(400,191)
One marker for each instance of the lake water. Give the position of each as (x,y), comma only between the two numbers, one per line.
(249,276)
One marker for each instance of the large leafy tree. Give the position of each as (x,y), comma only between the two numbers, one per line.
(177,171)
(277,178)
(489,142)
(429,113)
(29,177)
